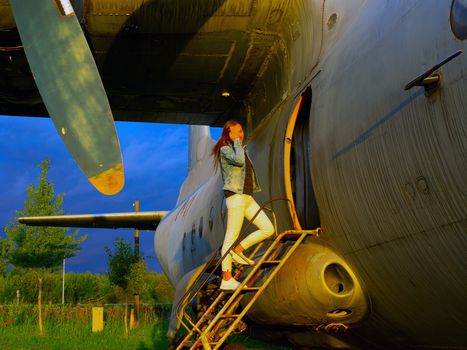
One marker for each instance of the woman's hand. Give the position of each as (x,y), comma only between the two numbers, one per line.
(236,132)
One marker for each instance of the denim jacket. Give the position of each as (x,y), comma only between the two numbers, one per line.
(233,168)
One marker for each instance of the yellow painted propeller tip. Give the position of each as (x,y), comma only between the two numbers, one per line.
(110,181)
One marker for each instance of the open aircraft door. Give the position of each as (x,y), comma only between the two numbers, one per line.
(297,165)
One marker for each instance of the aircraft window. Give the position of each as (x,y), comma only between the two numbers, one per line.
(332,21)
(193,234)
(211,218)
(200,228)
(459,18)
(223,210)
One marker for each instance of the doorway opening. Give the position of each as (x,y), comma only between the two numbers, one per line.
(297,165)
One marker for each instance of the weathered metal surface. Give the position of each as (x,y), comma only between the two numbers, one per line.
(388,166)
(106,17)
(390,169)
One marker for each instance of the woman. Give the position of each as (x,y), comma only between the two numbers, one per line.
(240,182)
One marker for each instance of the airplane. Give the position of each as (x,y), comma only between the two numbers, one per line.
(355,111)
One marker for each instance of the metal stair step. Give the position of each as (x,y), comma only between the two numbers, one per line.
(230,316)
(274,256)
(290,237)
(267,263)
(188,343)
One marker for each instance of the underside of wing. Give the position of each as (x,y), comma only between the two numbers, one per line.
(142,220)
(184,62)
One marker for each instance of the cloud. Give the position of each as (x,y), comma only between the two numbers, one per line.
(155,160)
(164,150)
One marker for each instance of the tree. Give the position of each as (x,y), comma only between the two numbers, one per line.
(126,270)
(158,288)
(41,249)
(4,249)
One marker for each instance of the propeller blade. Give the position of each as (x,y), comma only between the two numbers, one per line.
(69,83)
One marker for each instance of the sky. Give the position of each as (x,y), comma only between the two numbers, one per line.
(155,158)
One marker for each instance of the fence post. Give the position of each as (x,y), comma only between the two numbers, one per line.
(97,319)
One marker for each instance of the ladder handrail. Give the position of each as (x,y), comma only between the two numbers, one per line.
(184,301)
(204,334)
(231,301)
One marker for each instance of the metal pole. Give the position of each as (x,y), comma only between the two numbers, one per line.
(63,283)
(136,205)
(136,313)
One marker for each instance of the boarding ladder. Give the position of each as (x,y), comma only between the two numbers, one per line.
(218,317)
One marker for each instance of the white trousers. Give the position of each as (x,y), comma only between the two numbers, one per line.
(240,206)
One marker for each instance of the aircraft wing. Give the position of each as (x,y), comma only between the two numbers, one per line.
(141,220)
(185,62)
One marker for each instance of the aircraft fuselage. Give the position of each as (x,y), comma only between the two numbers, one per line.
(387,165)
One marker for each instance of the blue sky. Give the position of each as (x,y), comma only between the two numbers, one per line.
(155,161)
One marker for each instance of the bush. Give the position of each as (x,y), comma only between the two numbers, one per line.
(26,282)
(80,288)
(158,289)
(86,288)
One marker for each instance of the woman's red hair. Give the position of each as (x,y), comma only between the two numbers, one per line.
(224,140)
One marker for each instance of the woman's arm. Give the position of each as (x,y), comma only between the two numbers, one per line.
(236,156)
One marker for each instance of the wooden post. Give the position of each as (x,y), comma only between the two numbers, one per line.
(125,317)
(136,309)
(63,283)
(132,319)
(97,319)
(39,307)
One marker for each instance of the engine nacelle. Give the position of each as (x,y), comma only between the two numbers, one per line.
(314,287)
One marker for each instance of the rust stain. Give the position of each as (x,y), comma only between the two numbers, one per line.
(185,207)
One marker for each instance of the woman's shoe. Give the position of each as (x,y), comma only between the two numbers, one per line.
(241,259)
(231,284)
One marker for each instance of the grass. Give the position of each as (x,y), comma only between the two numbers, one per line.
(69,328)
(76,337)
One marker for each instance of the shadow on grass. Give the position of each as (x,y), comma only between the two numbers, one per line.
(157,338)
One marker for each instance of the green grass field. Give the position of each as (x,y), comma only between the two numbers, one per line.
(69,328)
(76,336)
